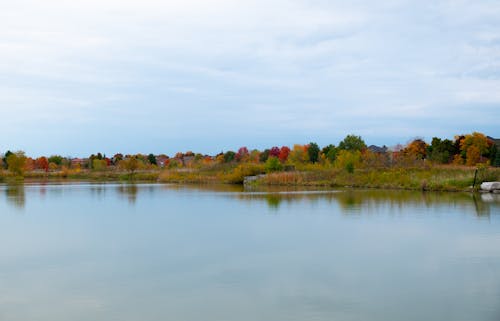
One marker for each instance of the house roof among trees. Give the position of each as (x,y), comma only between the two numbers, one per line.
(377,149)
(495,140)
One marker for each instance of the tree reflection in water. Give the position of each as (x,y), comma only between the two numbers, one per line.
(360,202)
(15,195)
(130,191)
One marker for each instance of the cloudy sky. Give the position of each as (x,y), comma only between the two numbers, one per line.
(82,76)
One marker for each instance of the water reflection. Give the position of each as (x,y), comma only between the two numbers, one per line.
(353,202)
(273,201)
(82,252)
(350,202)
(16,195)
(129,191)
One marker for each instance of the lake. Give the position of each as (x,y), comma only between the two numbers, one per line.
(166,252)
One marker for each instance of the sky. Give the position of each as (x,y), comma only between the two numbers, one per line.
(86,76)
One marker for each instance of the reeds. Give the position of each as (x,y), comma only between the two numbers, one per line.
(432,178)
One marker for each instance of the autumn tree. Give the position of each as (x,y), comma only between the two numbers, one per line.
(264,155)
(176,163)
(16,162)
(242,154)
(417,149)
(254,156)
(99,164)
(130,164)
(30,164)
(219,158)
(481,146)
(117,158)
(375,160)
(198,157)
(274,151)
(299,154)
(348,160)
(42,163)
(284,152)
(352,143)
(472,156)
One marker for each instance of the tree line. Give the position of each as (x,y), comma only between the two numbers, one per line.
(350,153)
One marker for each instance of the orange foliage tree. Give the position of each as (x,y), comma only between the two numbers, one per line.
(416,149)
(479,145)
(284,152)
(42,163)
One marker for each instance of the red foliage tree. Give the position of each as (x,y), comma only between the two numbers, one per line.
(284,152)
(242,154)
(42,163)
(275,151)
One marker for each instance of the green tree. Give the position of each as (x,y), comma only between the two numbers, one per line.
(229,156)
(264,155)
(441,151)
(496,161)
(16,162)
(273,164)
(152,159)
(7,154)
(352,143)
(330,152)
(56,159)
(313,152)
(492,151)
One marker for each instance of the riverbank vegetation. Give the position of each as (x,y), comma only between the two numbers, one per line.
(441,164)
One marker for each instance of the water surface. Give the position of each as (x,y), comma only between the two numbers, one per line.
(160,252)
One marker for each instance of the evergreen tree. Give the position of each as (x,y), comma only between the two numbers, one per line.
(152,159)
(313,152)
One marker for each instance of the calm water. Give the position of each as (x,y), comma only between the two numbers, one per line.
(156,252)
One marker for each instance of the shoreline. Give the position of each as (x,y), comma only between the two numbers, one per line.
(438,179)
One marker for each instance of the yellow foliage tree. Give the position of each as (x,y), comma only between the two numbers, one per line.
(348,160)
(473,156)
(16,163)
(130,164)
(479,144)
(298,154)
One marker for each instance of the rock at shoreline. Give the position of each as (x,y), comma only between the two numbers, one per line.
(249,179)
(490,186)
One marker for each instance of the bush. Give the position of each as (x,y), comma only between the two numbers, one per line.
(238,174)
(349,167)
(273,164)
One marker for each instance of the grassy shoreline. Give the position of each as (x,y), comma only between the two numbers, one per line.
(442,178)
